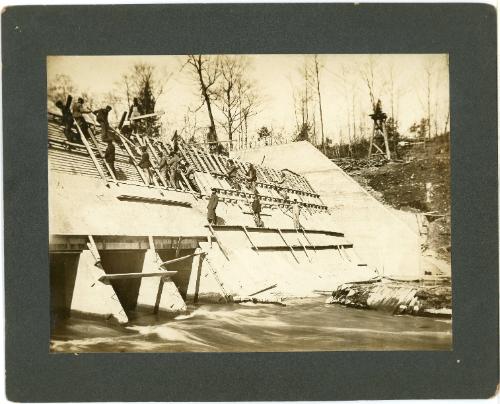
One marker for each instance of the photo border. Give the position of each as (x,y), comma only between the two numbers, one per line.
(467,32)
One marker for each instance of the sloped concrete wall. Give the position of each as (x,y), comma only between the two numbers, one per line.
(380,237)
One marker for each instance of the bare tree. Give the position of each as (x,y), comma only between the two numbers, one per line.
(206,70)
(145,83)
(60,87)
(316,65)
(237,98)
(428,75)
(303,95)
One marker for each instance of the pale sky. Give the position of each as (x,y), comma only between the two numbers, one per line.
(342,87)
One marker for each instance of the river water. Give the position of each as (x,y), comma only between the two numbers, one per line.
(304,325)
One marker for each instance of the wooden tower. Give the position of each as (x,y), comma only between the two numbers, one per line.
(379,127)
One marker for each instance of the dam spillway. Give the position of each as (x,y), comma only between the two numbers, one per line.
(119,245)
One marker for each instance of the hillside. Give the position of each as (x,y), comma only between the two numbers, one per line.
(419,181)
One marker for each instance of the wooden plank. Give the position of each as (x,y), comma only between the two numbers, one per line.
(110,171)
(132,158)
(135,275)
(263,290)
(249,239)
(91,154)
(218,242)
(290,247)
(165,263)
(307,239)
(134,198)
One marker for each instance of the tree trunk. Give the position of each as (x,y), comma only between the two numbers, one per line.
(320,107)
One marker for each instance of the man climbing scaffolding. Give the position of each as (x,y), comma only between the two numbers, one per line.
(251,177)
(232,171)
(163,165)
(173,164)
(189,174)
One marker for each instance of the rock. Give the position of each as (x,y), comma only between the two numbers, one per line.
(395,297)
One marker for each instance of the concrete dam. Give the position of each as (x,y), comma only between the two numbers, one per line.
(120,246)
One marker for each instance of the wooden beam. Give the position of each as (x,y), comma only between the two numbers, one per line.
(135,275)
(289,246)
(218,242)
(180,259)
(249,239)
(91,153)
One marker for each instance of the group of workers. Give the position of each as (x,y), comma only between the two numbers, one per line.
(171,167)
(250,177)
(256,210)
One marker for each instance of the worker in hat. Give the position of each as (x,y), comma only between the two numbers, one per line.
(67,121)
(102,118)
(212,206)
(232,171)
(145,164)
(256,209)
(79,109)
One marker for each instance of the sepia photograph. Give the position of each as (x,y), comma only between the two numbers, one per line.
(249,203)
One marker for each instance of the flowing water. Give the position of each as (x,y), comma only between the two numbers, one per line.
(304,325)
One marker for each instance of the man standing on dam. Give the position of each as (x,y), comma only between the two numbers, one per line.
(109,155)
(212,205)
(173,164)
(145,164)
(296,214)
(256,209)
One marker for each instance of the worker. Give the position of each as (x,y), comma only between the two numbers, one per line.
(296,214)
(256,209)
(281,190)
(67,121)
(145,164)
(232,171)
(251,177)
(102,119)
(212,206)
(173,164)
(163,166)
(189,174)
(109,156)
(78,110)
(134,112)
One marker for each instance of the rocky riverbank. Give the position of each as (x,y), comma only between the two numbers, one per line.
(397,297)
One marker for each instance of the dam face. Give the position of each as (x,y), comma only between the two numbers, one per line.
(119,245)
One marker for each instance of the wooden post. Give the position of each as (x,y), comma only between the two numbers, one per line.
(111,173)
(91,153)
(249,239)
(386,141)
(289,246)
(371,141)
(218,242)
(132,158)
(305,251)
